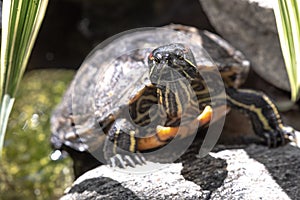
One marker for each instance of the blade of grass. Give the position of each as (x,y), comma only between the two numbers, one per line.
(288,25)
(6,107)
(21,21)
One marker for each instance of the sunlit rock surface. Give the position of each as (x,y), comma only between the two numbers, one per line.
(250,172)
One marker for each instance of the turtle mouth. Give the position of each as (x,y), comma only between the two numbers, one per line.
(171,63)
(163,73)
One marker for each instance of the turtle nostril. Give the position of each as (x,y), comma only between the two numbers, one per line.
(156,60)
(169,60)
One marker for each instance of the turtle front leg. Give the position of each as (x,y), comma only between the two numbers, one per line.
(265,118)
(120,147)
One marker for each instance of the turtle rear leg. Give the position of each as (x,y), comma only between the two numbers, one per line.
(120,147)
(265,118)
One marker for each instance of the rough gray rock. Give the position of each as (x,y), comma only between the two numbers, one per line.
(166,183)
(250,26)
(247,179)
(249,172)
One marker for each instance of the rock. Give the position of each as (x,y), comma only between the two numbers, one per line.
(251,172)
(166,183)
(247,179)
(250,26)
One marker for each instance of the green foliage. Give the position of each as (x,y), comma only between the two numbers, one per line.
(21,20)
(26,171)
(287,13)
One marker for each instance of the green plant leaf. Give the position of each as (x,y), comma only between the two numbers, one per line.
(21,21)
(288,26)
(5,109)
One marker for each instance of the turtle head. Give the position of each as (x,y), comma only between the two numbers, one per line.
(171,63)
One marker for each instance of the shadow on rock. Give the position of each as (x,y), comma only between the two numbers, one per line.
(101,188)
(208,172)
(283,163)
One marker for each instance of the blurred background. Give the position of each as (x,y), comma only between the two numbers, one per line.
(71,29)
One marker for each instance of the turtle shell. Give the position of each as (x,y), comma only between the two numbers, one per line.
(117,69)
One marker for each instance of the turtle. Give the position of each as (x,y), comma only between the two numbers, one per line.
(108,108)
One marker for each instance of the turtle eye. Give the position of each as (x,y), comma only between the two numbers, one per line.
(152,57)
(156,60)
(157,57)
(179,54)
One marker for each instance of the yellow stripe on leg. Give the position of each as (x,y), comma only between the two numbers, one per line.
(116,141)
(132,141)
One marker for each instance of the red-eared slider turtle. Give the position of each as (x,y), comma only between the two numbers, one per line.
(108,109)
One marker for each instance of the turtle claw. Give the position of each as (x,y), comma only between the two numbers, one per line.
(280,137)
(140,158)
(131,160)
(273,139)
(117,160)
(292,135)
